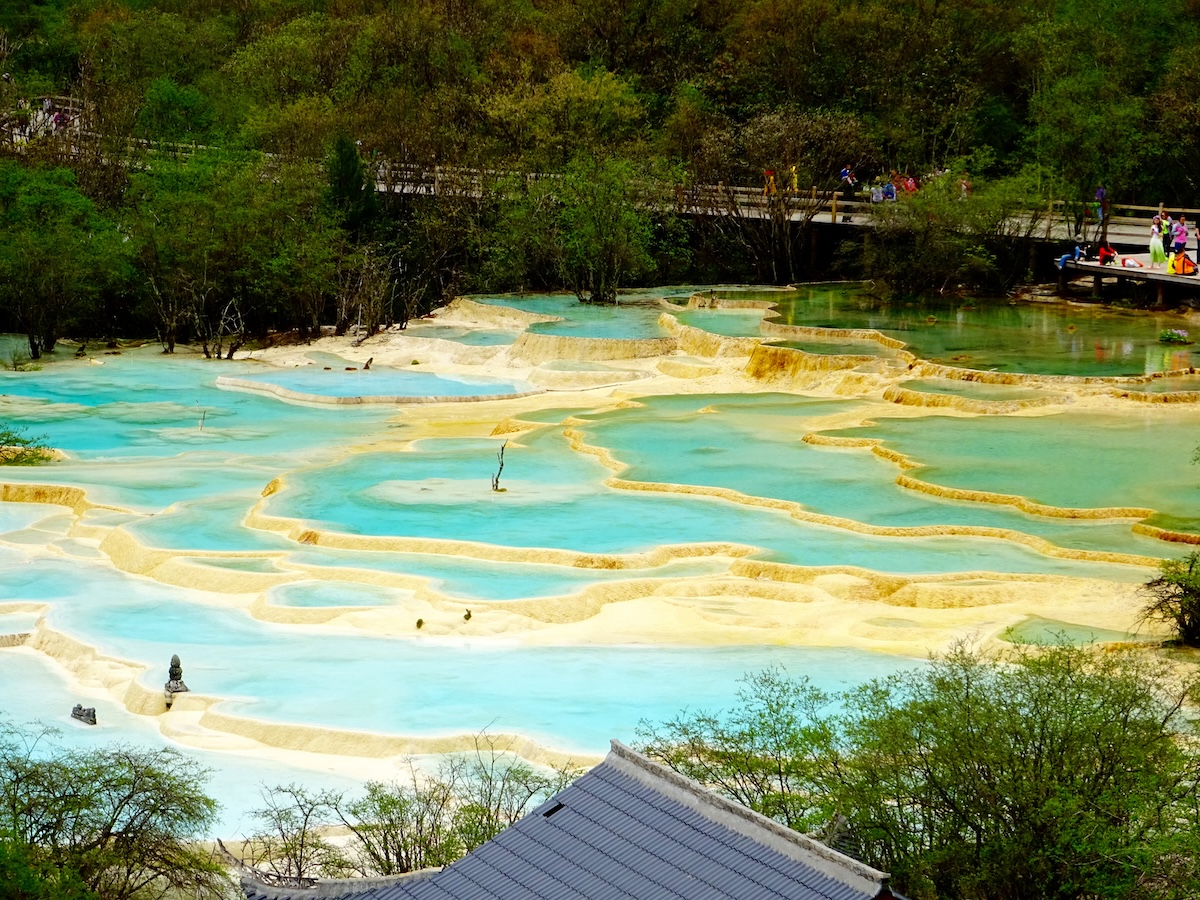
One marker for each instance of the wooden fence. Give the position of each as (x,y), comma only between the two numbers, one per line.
(1127,223)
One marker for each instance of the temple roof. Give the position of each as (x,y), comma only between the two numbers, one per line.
(631,828)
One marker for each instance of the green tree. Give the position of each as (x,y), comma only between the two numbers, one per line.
(174,112)
(301,129)
(806,150)
(57,252)
(351,187)
(938,239)
(495,788)
(603,233)
(25,876)
(572,113)
(1048,773)
(428,247)
(179,229)
(1093,77)
(366,291)
(766,752)
(289,841)
(231,245)
(285,245)
(1174,597)
(403,826)
(1062,774)
(123,822)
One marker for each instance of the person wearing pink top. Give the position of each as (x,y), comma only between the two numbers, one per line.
(1180,234)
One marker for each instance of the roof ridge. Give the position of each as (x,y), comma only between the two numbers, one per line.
(832,862)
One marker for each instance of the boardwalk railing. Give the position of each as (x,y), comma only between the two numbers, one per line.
(1060,220)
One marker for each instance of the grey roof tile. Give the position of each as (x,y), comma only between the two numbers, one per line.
(630,830)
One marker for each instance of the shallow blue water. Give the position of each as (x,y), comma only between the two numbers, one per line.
(472,337)
(630,318)
(573,696)
(1142,457)
(729,322)
(557,499)
(144,406)
(322,594)
(380,381)
(754,445)
(157,436)
(36,692)
(460,576)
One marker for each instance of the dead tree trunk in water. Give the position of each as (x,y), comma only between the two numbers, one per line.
(496,478)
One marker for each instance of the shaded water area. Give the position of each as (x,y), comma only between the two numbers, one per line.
(1045,338)
(347,571)
(631,317)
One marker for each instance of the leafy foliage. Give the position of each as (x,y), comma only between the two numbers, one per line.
(1174,597)
(400,826)
(117,822)
(764,753)
(403,826)
(1052,773)
(940,238)
(603,237)
(1047,100)
(20,449)
(27,877)
(288,841)
(57,252)
(351,189)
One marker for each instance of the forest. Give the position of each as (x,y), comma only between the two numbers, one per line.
(205,170)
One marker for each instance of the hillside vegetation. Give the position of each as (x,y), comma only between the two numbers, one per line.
(261,223)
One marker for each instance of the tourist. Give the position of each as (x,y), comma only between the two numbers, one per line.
(1101,203)
(1081,251)
(889,191)
(847,177)
(1181,264)
(1158,256)
(1107,254)
(1179,235)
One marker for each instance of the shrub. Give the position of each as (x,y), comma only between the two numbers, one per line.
(20,449)
(1049,773)
(1175,597)
(117,822)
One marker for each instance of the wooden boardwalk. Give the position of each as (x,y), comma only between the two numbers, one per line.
(1159,278)
(1128,225)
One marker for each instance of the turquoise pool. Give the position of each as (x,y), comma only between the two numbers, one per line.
(186,465)
(1037,338)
